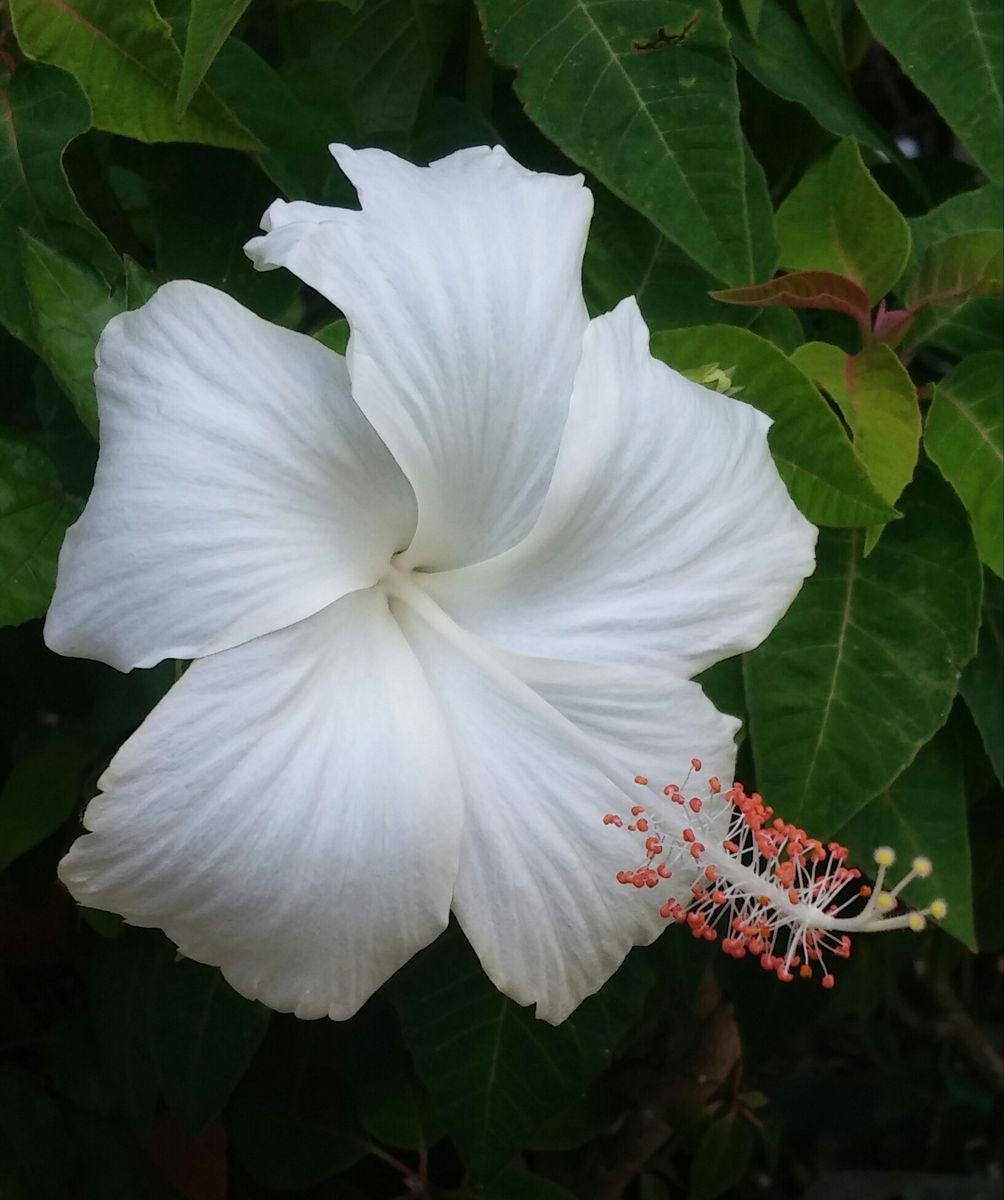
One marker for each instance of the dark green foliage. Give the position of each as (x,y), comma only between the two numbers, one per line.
(855,146)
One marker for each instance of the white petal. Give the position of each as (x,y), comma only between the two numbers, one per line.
(461,282)
(667,537)
(239,489)
(290,812)
(648,723)
(544,751)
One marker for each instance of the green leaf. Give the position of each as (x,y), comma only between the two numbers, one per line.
(879,403)
(924,813)
(627,256)
(812,452)
(951,50)
(140,285)
(334,335)
(446,125)
(33,1141)
(43,110)
(40,793)
(982,686)
(295,132)
(805,289)
(957,268)
(209,25)
(288,1124)
(383,59)
(863,668)
(635,108)
(752,12)
(963,435)
(950,274)
(202,1037)
(787,62)
(206,205)
(722,1159)
(121,986)
(977,325)
(491,1068)
(286,1154)
(979,209)
(988,871)
(496,1073)
(723,685)
(824,20)
(838,219)
(781,327)
(517,1184)
(34,514)
(390,1101)
(71,306)
(395,1109)
(126,61)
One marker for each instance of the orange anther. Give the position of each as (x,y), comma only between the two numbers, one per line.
(715,785)
(710,873)
(642,825)
(641,780)
(695,804)
(695,763)
(865,891)
(793,895)
(689,835)
(637,810)
(805,971)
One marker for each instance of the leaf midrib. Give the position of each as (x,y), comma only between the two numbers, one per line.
(968,416)
(841,643)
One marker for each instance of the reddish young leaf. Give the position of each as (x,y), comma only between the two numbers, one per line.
(806,289)
(891,324)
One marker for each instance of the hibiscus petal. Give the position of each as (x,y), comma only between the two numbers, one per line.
(290,812)
(461,283)
(239,489)
(667,537)
(544,750)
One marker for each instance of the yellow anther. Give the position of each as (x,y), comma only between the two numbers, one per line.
(884,856)
(916,922)
(886,902)
(922,867)
(938,909)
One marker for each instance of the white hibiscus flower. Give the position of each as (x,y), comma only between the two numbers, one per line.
(444,596)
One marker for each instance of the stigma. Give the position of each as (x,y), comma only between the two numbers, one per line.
(760,886)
